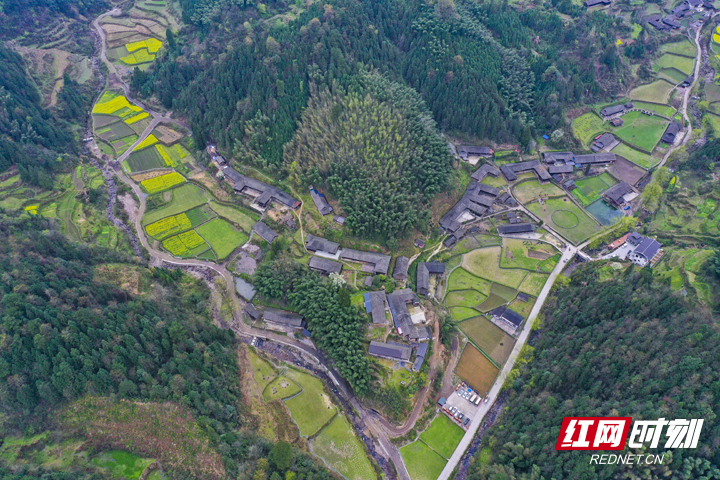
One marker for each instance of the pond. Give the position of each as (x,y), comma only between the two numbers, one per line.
(244,289)
(604,213)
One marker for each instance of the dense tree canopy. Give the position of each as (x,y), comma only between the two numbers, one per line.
(623,347)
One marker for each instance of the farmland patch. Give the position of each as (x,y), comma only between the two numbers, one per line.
(489,338)
(637,157)
(476,369)
(642,131)
(163,182)
(656,92)
(443,435)
(341,449)
(585,127)
(221,236)
(422,462)
(565,217)
(184,198)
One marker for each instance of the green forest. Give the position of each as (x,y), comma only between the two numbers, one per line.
(66,333)
(622,347)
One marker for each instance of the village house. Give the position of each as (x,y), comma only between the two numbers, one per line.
(376,305)
(592,3)
(647,250)
(424,270)
(517,228)
(375,263)
(475,203)
(262,193)
(560,169)
(510,317)
(616,122)
(320,202)
(511,170)
(390,351)
(671,132)
(470,152)
(251,311)
(594,159)
(615,110)
(265,232)
(619,194)
(324,266)
(320,245)
(484,171)
(420,353)
(403,320)
(554,157)
(401,268)
(283,318)
(606,141)
(615,244)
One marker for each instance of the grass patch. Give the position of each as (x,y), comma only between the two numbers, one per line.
(516,254)
(221,236)
(476,369)
(665,110)
(489,338)
(589,189)
(461,313)
(656,92)
(312,409)
(443,435)
(235,216)
(341,449)
(672,75)
(584,228)
(485,262)
(461,279)
(684,47)
(503,291)
(642,131)
(121,464)
(280,388)
(464,298)
(146,159)
(422,462)
(263,372)
(493,301)
(681,63)
(637,157)
(585,127)
(527,191)
(533,283)
(184,198)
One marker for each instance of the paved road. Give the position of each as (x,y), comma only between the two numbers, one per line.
(495,390)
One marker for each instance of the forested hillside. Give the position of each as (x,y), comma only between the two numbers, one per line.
(623,347)
(484,70)
(69,330)
(30,136)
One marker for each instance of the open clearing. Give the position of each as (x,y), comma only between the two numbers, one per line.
(656,92)
(642,131)
(282,387)
(488,337)
(184,198)
(637,157)
(341,449)
(122,464)
(443,435)
(236,216)
(589,189)
(476,369)
(422,462)
(526,254)
(311,409)
(567,218)
(485,262)
(527,191)
(585,127)
(221,236)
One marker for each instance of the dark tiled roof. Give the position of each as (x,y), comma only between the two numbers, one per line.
(401,268)
(617,192)
(319,244)
(380,262)
(671,132)
(466,150)
(368,281)
(391,350)
(484,171)
(614,110)
(320,202)
(518,228)
(552,157)
(283,317)
(375,304)
(477,199)
(267,192)
(554,169)
(634,238)
(523,297)
(647,248)
(595,158)
(592,3)
(267,233)
(325,265)
(252,311)
(417,365)
(425,269)
(605,140)
(508,315)
(398,301)
(422,349)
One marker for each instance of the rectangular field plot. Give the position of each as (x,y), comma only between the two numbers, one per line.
(143,160)
(493,301)
(564,216)
(604,213)
(672,75)
(461,313)
(464,298)
(533,283)
(422,462)
(443,435)
(476,369)
(683,64)
(184,198)
(527,191)
(636,156)
(123,144)
(311,409)
(172,155)
(114,131)
(502,291)
(665,110)
(169,226)
(111,103)
(489,338)
(589,189)
(585,127)
(656,92)
(163,182)
(341,449)
(642,131)
(222,237)
(188,244)
(680,48)
(525,254)
(485,262)
(236,216)
(461,279)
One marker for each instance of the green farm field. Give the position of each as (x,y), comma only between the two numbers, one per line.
(464,298)
(680,48)
(221,236)
(488,337)
(516,253)
(585,127)
(642,131)
(244,220)
(311,409)
(665,110)
(443,435)
(589,189)
(422,462)
(493,301)
(656,92)
(672,75)
(341,449)
(485,262)
(527,191)
(122,464)
(461,279)
(533,283)
(684,64)
(565,217)
(636,156)
(476,369)
(282,387)
(461,313)
(145,159)
(184,198)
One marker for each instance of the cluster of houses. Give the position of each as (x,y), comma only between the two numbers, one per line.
(682,11)
(399,352)
(640,250)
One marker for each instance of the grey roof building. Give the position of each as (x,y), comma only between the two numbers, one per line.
(319,244)
(484,171)
(605,141)
(517,228)
(555,169)
(251,311)
(282,317)
(671,21)
(477,199)
(368,281)
(391,351)
(375,305)
(265,232)
(375,263)
(324,265)
(552,157)
(595,158)
(511,170)
(671,133)
(614,110)
(425,269)
(260,191)
(616,193)
(320,202)
(508,315)
(592,3)
(656,21)
(466,151)
(645,252)
(398,302)
(401,268)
